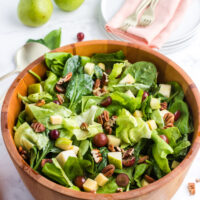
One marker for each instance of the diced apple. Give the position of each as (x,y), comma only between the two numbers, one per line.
(144,183)
(115,158)
(155,103)
(152,124)
(63,156)
(138,113)
(89,68)
(165,90)
(113,140)
(56,119)
(102,66)
(101,179)
(128,79)
(63,143)
(75,149)
(90,185)
(129,93)
(175,164)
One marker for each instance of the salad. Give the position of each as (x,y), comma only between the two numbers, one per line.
(102,124)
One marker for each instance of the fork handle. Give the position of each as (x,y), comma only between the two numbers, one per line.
(142,6)
(154,4)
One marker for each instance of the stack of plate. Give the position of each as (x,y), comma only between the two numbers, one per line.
(182,37)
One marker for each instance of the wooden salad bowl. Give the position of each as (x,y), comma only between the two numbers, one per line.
(42,188)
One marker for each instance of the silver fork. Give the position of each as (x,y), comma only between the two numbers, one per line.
(132,20)
(149,14)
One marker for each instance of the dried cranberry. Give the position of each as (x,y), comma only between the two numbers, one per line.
(177,115)
(145,95)
(164,137)
(100,140)
(79,181)
(54,134)
(80,36)
(106,102)
(122,180)
(129,161)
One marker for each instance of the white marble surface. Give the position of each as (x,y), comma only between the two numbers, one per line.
(13,34)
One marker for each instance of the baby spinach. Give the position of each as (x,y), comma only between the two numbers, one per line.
(98,72)
(72,65)
(127,170)
(176,92)
(104,152)
(110,187)
(83,148)
(143,72)
(51,40)
(139,171)
(80,85)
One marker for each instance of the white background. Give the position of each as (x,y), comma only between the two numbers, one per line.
(13,34)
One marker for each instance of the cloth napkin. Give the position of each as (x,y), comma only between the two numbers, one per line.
(168,14)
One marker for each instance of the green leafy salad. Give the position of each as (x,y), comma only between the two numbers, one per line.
(102,124)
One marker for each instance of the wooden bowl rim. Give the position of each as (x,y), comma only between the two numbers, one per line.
(12,150)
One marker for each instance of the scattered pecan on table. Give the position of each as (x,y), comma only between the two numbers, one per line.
(38,127)
(191,188)
(108,170)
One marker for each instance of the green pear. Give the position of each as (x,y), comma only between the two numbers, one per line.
(68,5)
(34,12)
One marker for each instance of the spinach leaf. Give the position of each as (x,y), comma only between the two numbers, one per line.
(72,65)
(104,152)
(75,167)
(138,148)
(108,58)
(143,72)
(157,171)
(110,187)
(50,82)
(146,108)
(83,148)
(98,72)
(21,118)
(51,40)
(183,122)
(139,171)
(56,173)
(33,156)
(56,61)
(80,85)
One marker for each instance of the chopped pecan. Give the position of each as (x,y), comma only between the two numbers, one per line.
(60,99)
(20,149)
(111,148)
(143,159)
(84,126)
(108,130)
(65,79)
(40,102)
(119,190)
(108,170)
(104,80)
(96,155)
(44,161)
(113,120)
(169,120)
(197,180)
(163,106)
(149,179)
(97,84)
(106,115)
(128,153)
(191,188)
(38,127)
(23,153)
(100,119)
(97,92)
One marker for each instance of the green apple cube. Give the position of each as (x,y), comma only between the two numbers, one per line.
(35,88)
(63,143)
(115,158)
(155,103)
(113,140)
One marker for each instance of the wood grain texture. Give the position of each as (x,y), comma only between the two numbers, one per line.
(42,188)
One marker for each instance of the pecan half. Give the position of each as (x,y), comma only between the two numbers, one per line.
(108,170)
(106,115)
(60,99)
(163,106)
(84,126)
(44,161)
(96,155)
(65,79)
(97,84)
(149,179)
(191,188)
(40,102)
(38,127)
(143,159)
(169,120)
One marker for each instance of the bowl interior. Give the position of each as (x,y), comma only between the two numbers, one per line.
(167,71)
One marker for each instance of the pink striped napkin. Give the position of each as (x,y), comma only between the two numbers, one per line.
(168,15)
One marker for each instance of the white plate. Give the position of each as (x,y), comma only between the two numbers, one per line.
(185,33)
